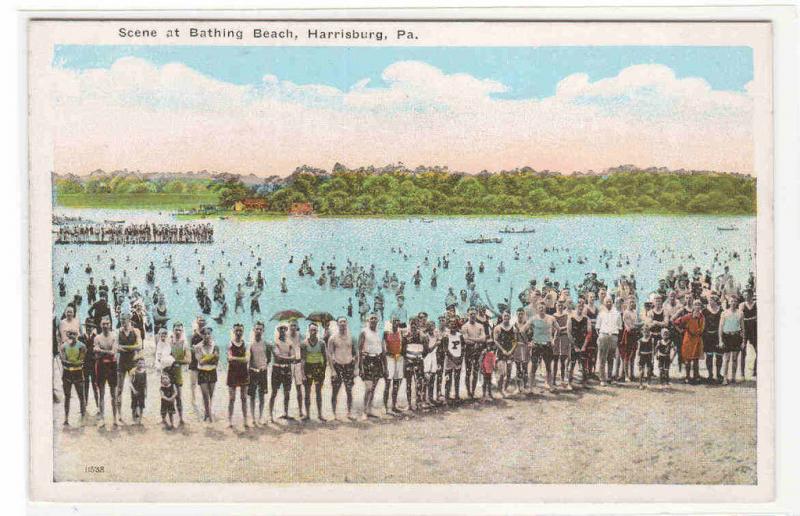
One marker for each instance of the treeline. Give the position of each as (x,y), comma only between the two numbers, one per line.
(437,191)
(119,184)
(442,193)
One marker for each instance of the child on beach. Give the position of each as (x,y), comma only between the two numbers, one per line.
(138,391)
(487,367)
(646,346)
(664,355)
(168,396)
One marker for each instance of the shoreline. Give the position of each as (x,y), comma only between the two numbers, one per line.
(256,216)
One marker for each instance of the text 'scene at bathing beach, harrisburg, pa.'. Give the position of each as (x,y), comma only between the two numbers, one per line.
(312,34)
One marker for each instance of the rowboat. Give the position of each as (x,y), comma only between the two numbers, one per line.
(483,240)
(517,231)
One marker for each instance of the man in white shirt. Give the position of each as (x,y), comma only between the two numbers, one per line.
(609,324)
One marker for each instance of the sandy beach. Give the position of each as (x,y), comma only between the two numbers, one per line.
(688,434)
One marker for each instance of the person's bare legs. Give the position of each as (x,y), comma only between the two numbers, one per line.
(369,393)
(193,388)
(299,393)
(348,391)
(318,392)
(204,391)
(231,403)
(243,398)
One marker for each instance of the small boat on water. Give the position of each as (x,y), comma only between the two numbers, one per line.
(114,221)
(483,240)
(509,230)
(427,221)
(727,228)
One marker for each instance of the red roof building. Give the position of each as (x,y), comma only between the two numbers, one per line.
(301,208)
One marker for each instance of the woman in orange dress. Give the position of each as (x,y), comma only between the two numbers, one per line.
(692,347)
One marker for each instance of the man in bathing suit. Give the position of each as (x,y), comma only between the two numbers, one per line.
(371,365)
(342,357)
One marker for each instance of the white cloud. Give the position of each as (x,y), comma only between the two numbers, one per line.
(138,115)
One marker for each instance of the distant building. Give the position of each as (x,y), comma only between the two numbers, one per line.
(301,208)
(251,204)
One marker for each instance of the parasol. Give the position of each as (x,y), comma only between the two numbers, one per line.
(319,317)
(287,315)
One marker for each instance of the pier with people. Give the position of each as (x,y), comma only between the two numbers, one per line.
(148,233)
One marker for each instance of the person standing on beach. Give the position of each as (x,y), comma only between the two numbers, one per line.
(298,374)
(430,365)
(105,350)
(180,353)
(207,353)
(591,342)
(647,344)
(453,342)
(283,356)
(630,338)
(578,331)
(371,353)
(474,341)
(731,332)
(504,335)
(609,325)
(543,331)
(393,364)
(712,314)
(522,354)
(89,378)
(416,345)
(692,325)
(342,355)
(238,374)
(197,338)
(672,310)
(664,355)
(562,346)
(73,354)
(259,376)
(749,312)
(138,390)
(129,343)
(314,362)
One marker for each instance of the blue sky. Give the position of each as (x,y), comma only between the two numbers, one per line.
(529,72)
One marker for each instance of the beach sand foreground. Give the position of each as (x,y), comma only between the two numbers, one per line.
(688,434)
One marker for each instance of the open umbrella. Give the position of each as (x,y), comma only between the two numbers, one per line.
(319,317)
(287,315)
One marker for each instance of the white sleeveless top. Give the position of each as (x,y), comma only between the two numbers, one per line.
(372,344)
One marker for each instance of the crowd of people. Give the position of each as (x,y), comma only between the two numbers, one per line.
(118,233)
(558,339)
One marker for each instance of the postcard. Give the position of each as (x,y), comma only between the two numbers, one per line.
(323,259)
